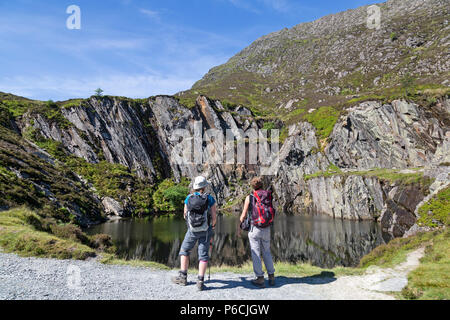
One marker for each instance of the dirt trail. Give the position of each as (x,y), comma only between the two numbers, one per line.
(374,282)
(35,278)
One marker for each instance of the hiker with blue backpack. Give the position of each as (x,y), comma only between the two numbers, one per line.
(256,218)
(200,215)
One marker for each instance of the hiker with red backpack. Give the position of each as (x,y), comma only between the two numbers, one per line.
(258,222)
(200,215)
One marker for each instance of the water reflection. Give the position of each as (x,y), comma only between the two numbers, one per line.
(320,240)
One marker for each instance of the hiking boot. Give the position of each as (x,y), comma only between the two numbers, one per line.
(200,285)
(181,279)
(271,279)
(259,282)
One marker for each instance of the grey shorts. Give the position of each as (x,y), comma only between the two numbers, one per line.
(203,239)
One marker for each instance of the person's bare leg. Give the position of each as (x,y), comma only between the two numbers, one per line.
(202,266)
(184,263)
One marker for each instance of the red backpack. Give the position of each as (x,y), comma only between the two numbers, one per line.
(262,208)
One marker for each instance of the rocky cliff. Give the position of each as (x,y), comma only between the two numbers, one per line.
(370,168)
(363,118)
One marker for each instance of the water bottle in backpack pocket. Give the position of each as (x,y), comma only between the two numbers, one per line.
(197,212)
(262,208)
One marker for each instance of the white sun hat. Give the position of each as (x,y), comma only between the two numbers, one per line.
(200,183)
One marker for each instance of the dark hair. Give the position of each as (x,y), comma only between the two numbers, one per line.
(256,183)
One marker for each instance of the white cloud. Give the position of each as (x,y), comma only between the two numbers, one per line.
(161,58)
(60,88)
(150,13)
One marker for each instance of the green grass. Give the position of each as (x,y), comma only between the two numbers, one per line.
(72,103)
(389,175)
(364,98)
(19,234)
(16,108)
(428,281)
(431,280)
(394,176)
(332,170)
(111,259)
(436,211)
(188,102)
(395,252)
(49,109)
(291,269)
(323,119)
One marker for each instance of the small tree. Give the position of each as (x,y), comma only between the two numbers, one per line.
(99,92)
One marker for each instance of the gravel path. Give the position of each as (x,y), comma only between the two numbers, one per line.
(36,278)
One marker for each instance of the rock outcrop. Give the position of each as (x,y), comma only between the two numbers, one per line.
(153,136)
(395,135)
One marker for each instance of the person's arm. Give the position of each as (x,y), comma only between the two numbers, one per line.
(214,215)
(244,211)
(185,211)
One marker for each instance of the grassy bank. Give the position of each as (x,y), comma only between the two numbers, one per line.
(27,234)
(22,232)
(431,280)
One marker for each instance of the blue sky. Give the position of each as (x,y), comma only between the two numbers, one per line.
(134,48)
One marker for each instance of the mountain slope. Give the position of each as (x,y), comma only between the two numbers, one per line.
(336,59)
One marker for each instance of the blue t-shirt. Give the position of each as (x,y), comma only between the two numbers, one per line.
(211,200)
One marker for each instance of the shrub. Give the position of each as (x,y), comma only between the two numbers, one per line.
(269,126)
(169,195)
(102,242)
(71,232)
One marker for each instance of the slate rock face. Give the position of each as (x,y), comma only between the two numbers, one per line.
(396,135)
(352,197)
(117,129)
(151,136)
